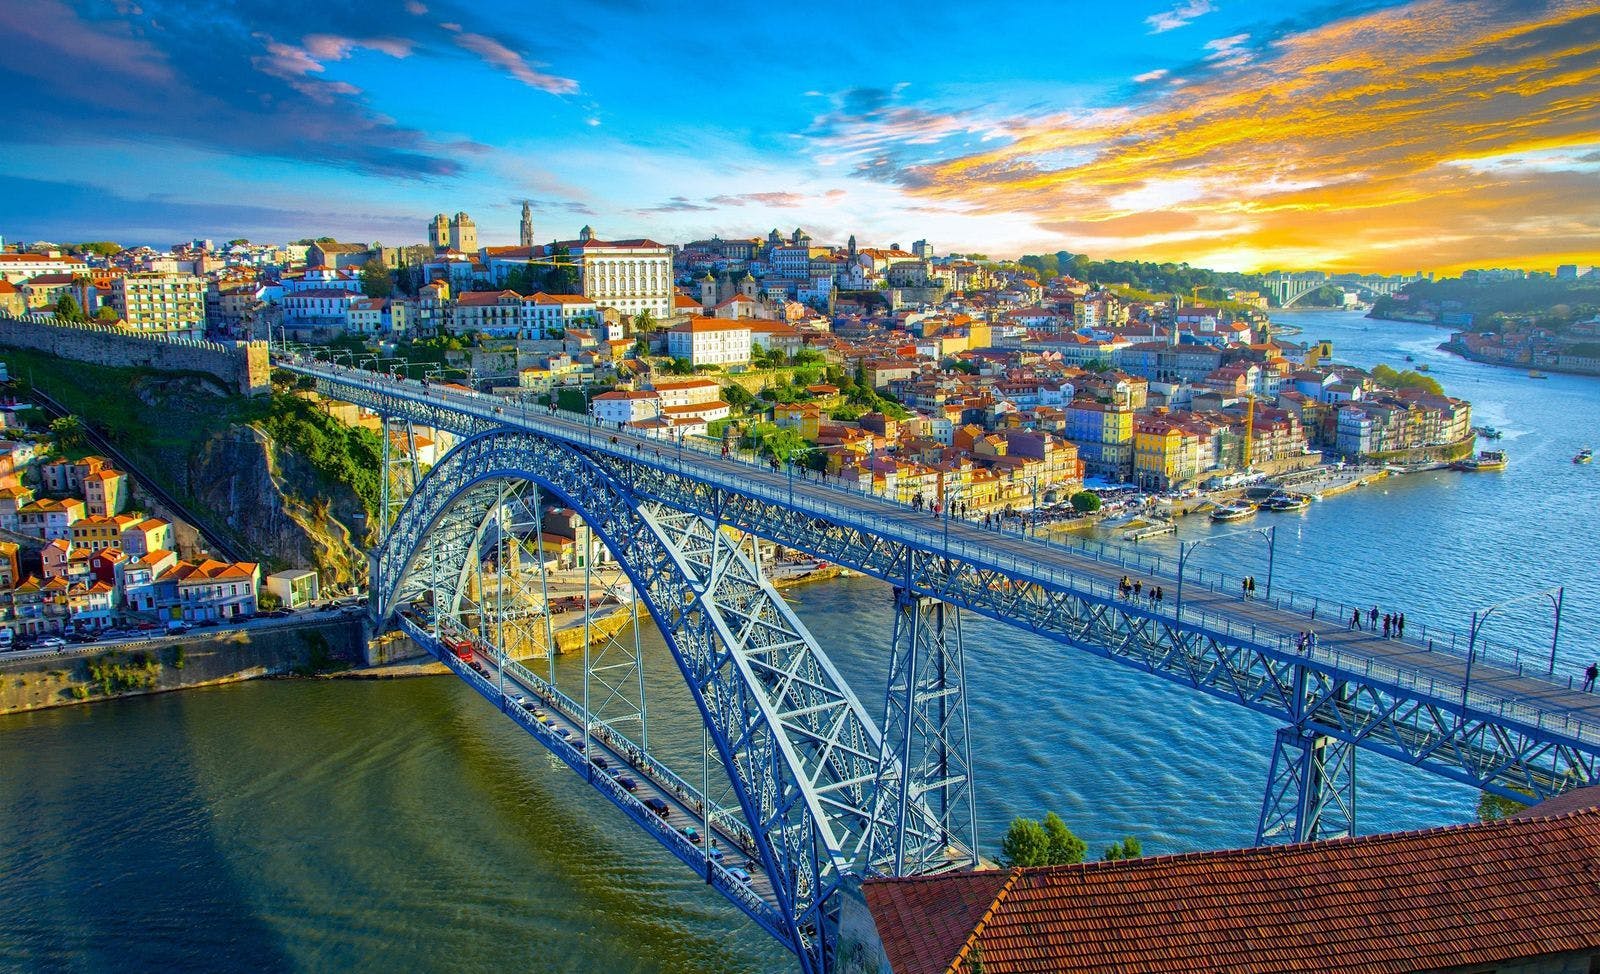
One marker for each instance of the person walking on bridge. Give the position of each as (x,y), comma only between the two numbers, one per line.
(1372,617)
(1355,619)
(1400,626)
(1589,677)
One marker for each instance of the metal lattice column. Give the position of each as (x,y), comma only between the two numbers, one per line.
(401,474)
(1311,786)
(926,742)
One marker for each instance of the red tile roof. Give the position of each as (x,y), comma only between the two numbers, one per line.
(1479,894)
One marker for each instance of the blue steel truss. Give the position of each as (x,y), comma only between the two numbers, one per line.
(800,752)
(1504,732)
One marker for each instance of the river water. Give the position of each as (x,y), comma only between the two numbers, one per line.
(404,825)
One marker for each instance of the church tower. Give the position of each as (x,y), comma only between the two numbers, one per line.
(747,286)
(439,232)
(708,292)
(525,236)
(852,245)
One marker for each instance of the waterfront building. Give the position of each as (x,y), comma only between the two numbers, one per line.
(1103,433)
(172,304)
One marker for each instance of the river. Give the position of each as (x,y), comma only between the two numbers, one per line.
(383,825)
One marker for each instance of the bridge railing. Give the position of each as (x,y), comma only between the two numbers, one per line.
(679,456)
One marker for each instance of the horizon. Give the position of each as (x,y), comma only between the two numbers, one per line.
(1376,137)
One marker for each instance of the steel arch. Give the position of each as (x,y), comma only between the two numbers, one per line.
(801,752)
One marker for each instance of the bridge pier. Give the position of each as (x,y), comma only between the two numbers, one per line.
(1311,786)
(926,745)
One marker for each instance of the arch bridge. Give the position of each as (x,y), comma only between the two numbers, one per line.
(821,791)
(1288,289)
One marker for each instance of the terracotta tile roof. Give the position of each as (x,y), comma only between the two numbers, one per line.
(1479,894)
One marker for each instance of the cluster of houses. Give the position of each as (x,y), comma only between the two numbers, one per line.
(73,558)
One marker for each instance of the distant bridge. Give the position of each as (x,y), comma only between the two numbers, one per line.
(822,792)
(1289,288)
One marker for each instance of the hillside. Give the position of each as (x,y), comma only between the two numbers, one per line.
(284,483)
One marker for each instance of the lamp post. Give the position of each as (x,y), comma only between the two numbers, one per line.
(1554,595)
(1185,548)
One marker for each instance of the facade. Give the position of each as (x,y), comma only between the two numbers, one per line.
(319,309)
(294,588)
(173,304)
(49,519)
(105,492)
(1104,435)
(209,589)
(16,268)
(710,341)
(626,406)
(456,233)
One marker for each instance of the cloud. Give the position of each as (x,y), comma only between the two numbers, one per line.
(1149,76)
(763,199)
(498,55)
(59,210)
(1178,16)
(676,204)
(569,206)
(234,78)
(1343,145)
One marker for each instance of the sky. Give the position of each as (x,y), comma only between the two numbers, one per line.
(1353,136)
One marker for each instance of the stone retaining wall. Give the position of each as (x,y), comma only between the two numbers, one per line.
(242,366)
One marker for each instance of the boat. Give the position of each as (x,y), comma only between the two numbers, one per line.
(1486,460)
(1536,374)
(1233,512)
(1489,432)
(1584,455)
(1286,501)
(1410,359)
(1423,368)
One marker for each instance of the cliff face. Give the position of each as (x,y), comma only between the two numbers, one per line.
(205,447)
(277,505)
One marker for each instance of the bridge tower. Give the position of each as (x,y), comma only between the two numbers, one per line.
(1311,787)
(402,472)
(926,745)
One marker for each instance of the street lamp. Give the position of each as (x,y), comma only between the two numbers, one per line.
(1480,617)
(1185,548)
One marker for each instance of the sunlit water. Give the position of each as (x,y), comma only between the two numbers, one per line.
(404,825)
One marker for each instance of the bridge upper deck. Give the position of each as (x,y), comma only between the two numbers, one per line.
(1498,693)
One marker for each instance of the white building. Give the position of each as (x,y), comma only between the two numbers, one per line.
(626,406)
(710,341)
(378,316)
(324,309)
(16,268)
(563,311)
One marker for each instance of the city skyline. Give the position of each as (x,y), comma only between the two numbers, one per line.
(1382,137)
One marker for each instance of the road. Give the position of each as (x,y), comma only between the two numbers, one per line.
(159,639)
(1437,672)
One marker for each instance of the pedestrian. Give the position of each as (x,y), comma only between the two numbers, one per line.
(1400,626)
(1589,677)
(1373,618)
(1161,595)
(1386,627)
(1355,619)
(1311,643)
(1251,579)
(1313,613)
(1137,585)
(1300,642)
(1244,587)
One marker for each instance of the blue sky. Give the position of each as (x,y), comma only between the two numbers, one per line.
(1222,132)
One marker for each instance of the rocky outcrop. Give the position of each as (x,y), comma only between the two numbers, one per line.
(277,506)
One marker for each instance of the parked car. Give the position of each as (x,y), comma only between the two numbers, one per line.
(51,642)
(147,626)
(178,625)
(207,624)
(658,806)
(738,874)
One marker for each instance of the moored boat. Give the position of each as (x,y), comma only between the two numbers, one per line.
(1233,512)
(1287,502)
(1486,460)
(1536,374)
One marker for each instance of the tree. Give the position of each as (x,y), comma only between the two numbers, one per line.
(1025,844)
(644,323)
(1493,808)
(376,282)
(678,366)
(1129,848)
(69,432)
(106,314)
(1065,848)
(67,308)
(1085,502)
(738,397)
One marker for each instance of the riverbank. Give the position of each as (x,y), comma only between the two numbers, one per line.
(228,656)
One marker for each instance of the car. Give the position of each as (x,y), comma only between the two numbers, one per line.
(563,733)
(207,624)
(658,806)
(178,626)
(714,852)
(628,784)
(147,626)
(578,746)
(738,874)
(51,642)
(600,762)
(543,719)
(520,700)
(691,833)
(536,712)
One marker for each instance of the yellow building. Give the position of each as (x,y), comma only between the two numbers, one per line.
(1162,454)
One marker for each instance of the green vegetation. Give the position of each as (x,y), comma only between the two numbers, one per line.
(1129,848)
(115,673)
(1041,843)
(1163,279)
(783,444)
(339,453)
(67,308)
(558,279)
(106,315)
(102,248)
(1541,300)
(1389,378)
(1085,502)
(1493,808)
(179,657)
(376,281)
(69,432)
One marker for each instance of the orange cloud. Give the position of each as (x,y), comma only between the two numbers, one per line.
(1437,135)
